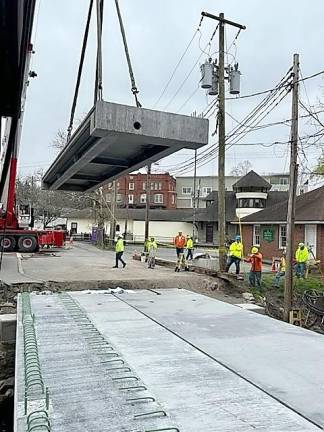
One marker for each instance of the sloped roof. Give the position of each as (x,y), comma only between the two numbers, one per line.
(170,215)
(210,214)
(252,179)
(174,215)
(309,207)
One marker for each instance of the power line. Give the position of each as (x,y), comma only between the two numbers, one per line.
(191,70)
(176,68)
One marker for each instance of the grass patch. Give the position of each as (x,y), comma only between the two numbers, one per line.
(313,282)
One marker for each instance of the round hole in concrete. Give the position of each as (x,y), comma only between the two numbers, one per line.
(137,125)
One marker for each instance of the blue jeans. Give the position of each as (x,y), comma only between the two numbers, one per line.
(300,269)
(255,277)
(276,280)
(230,261)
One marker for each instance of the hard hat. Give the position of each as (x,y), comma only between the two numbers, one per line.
(238,237)
(254,250)
(301,244)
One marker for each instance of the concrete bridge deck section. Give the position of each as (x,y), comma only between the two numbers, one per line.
(79,334)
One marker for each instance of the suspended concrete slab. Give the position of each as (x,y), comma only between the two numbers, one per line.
(116,139)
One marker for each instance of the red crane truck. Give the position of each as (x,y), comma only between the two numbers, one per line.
(15,53)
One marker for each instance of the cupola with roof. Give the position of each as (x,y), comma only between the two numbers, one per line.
(251,193)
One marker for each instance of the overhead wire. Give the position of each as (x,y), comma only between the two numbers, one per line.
(177,65)
(78,81)
(258,111)
(191,70)
(208,152)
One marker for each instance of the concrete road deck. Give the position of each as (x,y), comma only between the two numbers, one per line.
(184,372)
(85,262)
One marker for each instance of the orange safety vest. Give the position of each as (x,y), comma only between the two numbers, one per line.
(180,242)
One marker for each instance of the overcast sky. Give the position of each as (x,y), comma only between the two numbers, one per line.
(158,32)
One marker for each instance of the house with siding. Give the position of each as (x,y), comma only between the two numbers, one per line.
(268,229)
(164,224)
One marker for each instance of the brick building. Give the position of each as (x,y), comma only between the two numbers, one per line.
(267,228)
(132,191)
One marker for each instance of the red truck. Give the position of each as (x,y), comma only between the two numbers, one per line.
(15,53)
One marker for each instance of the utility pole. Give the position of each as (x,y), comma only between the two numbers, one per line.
(221,132)
(293,175)
(221,147)
(112,213)
(194,198)
(148,196)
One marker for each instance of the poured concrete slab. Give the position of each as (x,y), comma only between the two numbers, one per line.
(284,360)
(116,139)
(196,392)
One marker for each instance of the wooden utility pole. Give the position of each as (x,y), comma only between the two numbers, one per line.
(221,133)
(293,175)
(113,212)
(194,198)
(148,197)
(221,147)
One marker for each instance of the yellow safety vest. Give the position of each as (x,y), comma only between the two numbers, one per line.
(282,265)
(189,244)
(152,244)
(236,249)
(119,247)
(301,255)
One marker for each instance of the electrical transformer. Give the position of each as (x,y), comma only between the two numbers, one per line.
(206,74)
(234,80)
(213,91)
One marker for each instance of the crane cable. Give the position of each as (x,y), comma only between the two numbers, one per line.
(134,89)
(98,84)
(77,86)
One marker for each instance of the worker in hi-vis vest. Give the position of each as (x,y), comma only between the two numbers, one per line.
(235,255)
(180,243)
(119,249)
(301,257)
(189,247)
(151,250)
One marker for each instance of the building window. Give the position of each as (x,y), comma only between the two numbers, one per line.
(256,235)
(144,185)
(118,185)
(282,236)
(143,198)
(251,203)
(173,199)
(119,197)
(258,203)
(131,199)
(131,186)
(108,197)
(158,198)
(283,181)
(206,191)
(186,190)
(131,177)
(74,227)
(160,186)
